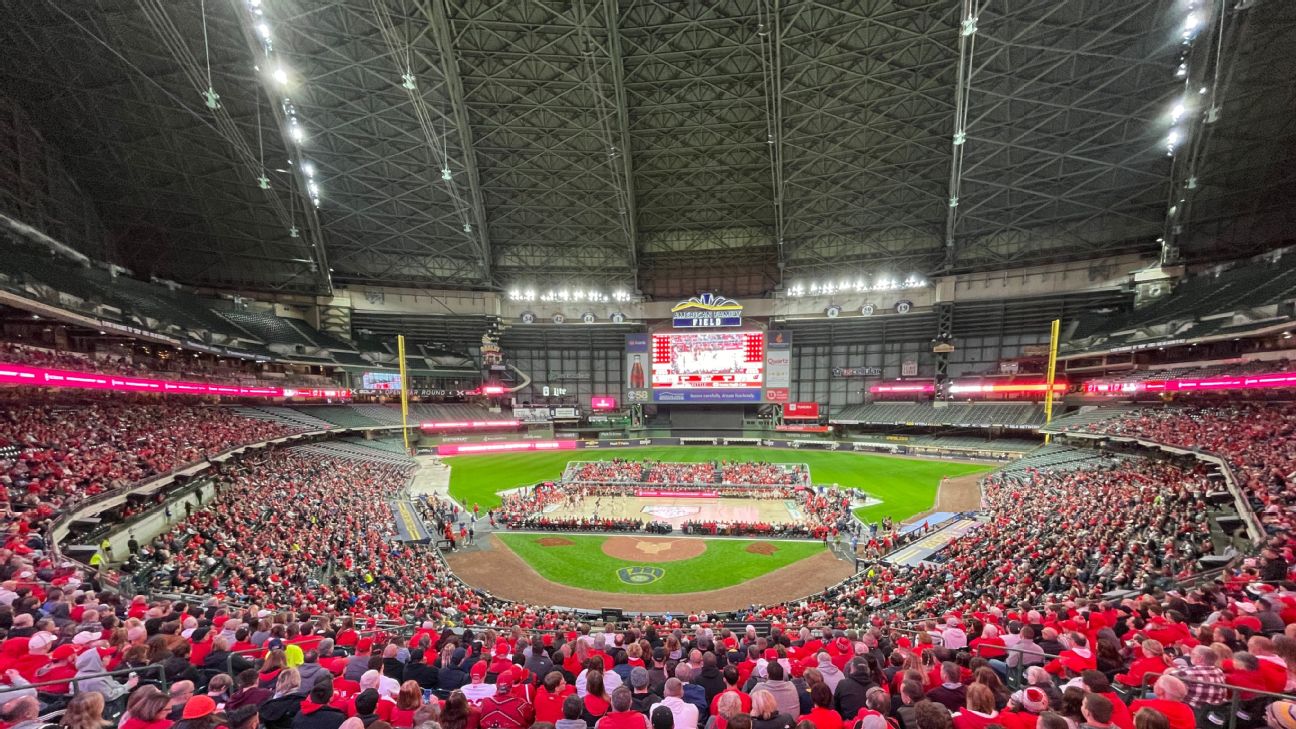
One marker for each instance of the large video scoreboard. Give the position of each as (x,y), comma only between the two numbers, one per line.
(711,358)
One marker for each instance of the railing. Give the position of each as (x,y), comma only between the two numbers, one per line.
(1234,705)
(72,682)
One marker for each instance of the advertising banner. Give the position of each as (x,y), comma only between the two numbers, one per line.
(801,411)
(14,374)
(465,449)
(638,368)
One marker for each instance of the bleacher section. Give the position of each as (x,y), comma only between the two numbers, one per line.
(1083,418)
(93,291)
(1058,457)
(1007,445)
(1229,302)
(353,451)
(268,328)
(342,415)
(962,415)
(285,416)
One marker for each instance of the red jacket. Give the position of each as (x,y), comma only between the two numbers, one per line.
(623,720)
(505,711)
(548,707)
(1180,714)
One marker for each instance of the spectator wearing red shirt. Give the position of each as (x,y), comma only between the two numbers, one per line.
(822,714)
(504,710)
(989,645)
(1170,693)
(1151,661)
(549,699)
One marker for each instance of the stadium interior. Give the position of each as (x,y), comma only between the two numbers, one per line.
(648,364)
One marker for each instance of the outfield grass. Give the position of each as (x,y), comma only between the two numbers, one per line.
(905,486)
(583,564)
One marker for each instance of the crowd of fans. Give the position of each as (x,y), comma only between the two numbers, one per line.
(1258,439)
(820,513)
(289,535)
(1156,661)
(680,473)
(61,450)
(764,473)
(730,473)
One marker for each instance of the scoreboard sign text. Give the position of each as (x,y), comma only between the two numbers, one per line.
(707,310)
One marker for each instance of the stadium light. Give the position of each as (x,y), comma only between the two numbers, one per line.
(1192,25)
(1173,139)
(279,75)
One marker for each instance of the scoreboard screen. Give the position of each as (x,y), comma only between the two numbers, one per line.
(708,360)
(380,381)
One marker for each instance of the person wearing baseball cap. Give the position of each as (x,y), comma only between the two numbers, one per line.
(62,667)
(477,689)
(504,710)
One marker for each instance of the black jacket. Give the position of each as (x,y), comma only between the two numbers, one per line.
(711,681)
(216,661)
(314,716)
(778,721)
(421,673)
(279,713)
(852,691)
(394,669)
(451,677)
(643,702)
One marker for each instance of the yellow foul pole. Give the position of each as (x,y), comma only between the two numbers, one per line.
(1052,372)
(404,389)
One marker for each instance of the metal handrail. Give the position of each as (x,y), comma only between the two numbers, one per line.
(1235,693)
(72,682)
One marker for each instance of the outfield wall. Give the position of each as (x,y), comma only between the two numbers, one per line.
(898,449)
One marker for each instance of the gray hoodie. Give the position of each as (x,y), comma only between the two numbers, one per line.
(89,663)
(785,695)
(570,724)
(310,673)
(832,675)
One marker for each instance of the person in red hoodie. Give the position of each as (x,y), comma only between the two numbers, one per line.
(549,699)
(989,645)
(37,657)
(1151,661)
(504,710)
(1170,693)
(62,667)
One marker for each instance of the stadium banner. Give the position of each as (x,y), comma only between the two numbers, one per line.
(481,438)
(668,494)
(637,368)
(706,311)
(409,526)
(778,366)
(1233,382)
(603,403)
(628,442)
(803,428)
(468,449)
(801,411)
(467,424)
(14,374)
(857,372)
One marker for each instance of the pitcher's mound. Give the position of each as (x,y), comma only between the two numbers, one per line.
(761,548)
(554,542)
(644,549)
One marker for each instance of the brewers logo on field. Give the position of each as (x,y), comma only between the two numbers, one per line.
(640,575)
